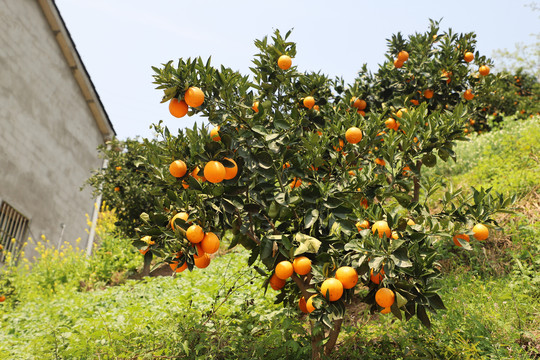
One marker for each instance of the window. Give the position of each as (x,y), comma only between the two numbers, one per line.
(13,225)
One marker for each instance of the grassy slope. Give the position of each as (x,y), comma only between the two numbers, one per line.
(221,312)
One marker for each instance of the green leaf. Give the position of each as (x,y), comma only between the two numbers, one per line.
(145,217)
(308,244)
(310,218)
(265,160)
(400,300)
(400,258)
(436,302)
(422,316)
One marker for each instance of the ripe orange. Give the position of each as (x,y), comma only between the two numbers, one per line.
(144,251)
(400,112)
(194,96)
(447,75)
(309,304)
(469,56)
(428,94)
(214,134)
(181,215)
(214,171)
(403,56)
(302,265)
(333,287)
(348,276)
(395,235)
(255,106)
(284,62)
(484,70)
(284,270)
(468,95)
(178,168)
(364,203)
(385,297)
(2,298)
(379,161)
(410,222)
(303,305)
(376,278)
(316,107)
(391,124)
(361,112)
(230,172)
(460,236)
(362,225)
(174,266)
(309,102)
(195,234)
(359,103)
(353,135)
(381,227)
(295,183)
(185,185)
(415,102)
(117,188)
(340,147)
(386,310)
(118,168)
(178,108)
(202,261)
(210,243)
(398,63)
(276,283)
(286,165)
(481,232)
(195,174)
(199,251)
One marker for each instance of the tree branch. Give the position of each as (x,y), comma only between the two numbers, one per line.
(332,336)
(416,180)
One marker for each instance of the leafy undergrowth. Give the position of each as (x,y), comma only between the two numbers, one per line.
(485,319)
(61,308)
(507,159)
(216,313)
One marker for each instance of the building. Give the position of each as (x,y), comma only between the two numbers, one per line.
(52,121)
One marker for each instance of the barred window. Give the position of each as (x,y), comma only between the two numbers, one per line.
(13,227)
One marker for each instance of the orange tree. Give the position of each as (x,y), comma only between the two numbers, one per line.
(513,94)
(320,180)
(122,183)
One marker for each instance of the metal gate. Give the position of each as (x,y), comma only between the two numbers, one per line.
(13,227)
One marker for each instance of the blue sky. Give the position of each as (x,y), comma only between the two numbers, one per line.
(120,40)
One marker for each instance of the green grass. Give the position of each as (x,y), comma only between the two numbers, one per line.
(216,313)
(485,319)
(507,159)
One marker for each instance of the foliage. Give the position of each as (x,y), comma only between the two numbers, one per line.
(485,319)
(515,94)
(66,268)
(157,317)
(276,138)
(506,159)
(121,183)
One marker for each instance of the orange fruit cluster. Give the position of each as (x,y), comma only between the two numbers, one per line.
(214,171)
(193,97)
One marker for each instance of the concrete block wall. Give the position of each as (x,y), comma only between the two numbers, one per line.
(48,136)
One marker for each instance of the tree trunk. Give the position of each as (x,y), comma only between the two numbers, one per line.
(317,336)
(332,337)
